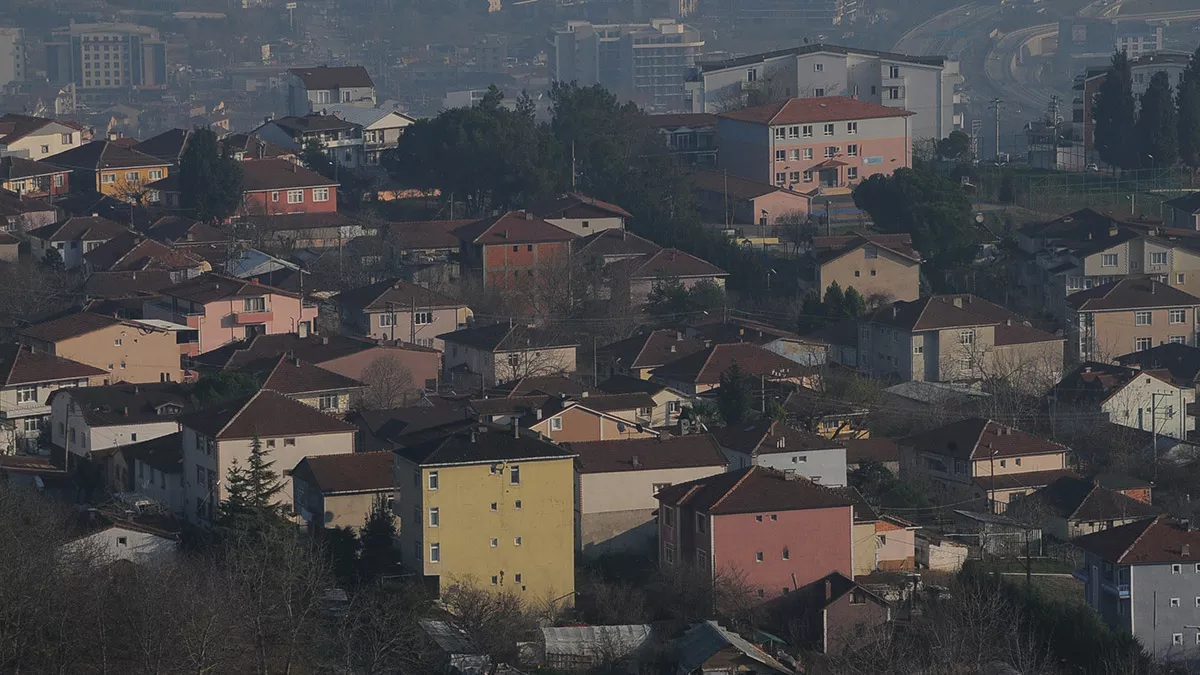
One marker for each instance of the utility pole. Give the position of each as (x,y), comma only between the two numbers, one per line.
(412,322)
(995,106)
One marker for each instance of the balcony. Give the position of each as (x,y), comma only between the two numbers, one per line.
(1121,590)
(248,318)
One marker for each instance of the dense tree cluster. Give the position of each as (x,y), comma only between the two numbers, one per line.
(210,179)
(1157,129)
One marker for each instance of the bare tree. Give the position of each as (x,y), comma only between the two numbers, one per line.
(389,384)
(495,621)
(378,632)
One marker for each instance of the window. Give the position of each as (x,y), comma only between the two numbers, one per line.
(1174,602)
(819,92)
(556,424)
(781,155)
(818,67)
(894,72)
(758,556)
(494,542)
(794,177)
(830,151)
(780,133)
(320,194)
(852,150)
(806,131)
(780,177)
(131,176)
(1158,258)
(60,180)
(514,475)
(133,437)
(828,129)
(1177,316)
(514,360)
(386,320)
(808,153)
(1176,638)
(1179,278)
(1142,344)
(65,139)
(787,555)
(258,304)
(793,154)
(1177,339)
(423,318)
(893,93)
(701,523)
(517,505)
(1176,569)
(295,196)
(669,553)
(435,518)
(327,402)
(495,507)
(31,425)
(433,480)
(516,541)
(27,395)
(1108,260)
(758,519)
(966,336)
(668,516)
(752,75)
(918,349)
(435,552)
(108,178)
(852,174)
(288,441)
(274,196)
(808,176)
(1141,318)
(793,132)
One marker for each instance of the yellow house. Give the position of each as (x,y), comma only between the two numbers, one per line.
(307,383)
(112,169)
(489,506)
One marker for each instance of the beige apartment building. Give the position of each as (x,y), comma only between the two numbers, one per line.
(1130,315)
(341,490)
(502,352)
(393,309)
(128,350)
(982,458)
(957,338)
(878,266)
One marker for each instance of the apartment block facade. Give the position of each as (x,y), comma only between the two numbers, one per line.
(106,57)
(1130,315)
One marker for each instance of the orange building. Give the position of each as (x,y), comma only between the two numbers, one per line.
(510,249)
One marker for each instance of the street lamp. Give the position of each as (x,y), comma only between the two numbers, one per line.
(1132,197)
(769,273)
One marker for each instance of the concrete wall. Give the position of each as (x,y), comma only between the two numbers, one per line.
(872,270)
(737,539)
(827,467)
(445,320)
(66,416)
(53,138)
(866,546)
(582,227)
(850,617)
(164,488)
(128,353)
(119,543)
(1150,404)
(1008,466)
(1116,333)
(1155,621)
(584,425)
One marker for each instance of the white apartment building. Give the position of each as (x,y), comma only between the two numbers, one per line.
(311,89)
(100,57)
(647,63)
(12,55)
(924,85)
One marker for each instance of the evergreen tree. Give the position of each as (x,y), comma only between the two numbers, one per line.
(250,493)
(812,313)
(1008,189)
(314,159)
(1158,125)
(378,536)
(1188,100)
(263,483)
(1113,112)
(835,301)
(854,305)
(210,179)
(735,397)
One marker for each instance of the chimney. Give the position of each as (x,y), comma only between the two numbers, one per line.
(828,590)
(125,411)
(516,428)
(895,311)
(958,302)
(1112,230)
(678,336)
(780,442)
(538,413)
(1087,369)
(637,464)
(1186,550)
(584,394)
(1008,322)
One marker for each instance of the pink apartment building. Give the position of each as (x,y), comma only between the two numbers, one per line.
(220,310)
(804,143)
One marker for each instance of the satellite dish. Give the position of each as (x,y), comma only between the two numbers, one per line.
(979,218)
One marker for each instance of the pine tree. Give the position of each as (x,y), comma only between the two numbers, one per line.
(1114,115)
(1188,100)
(263,483)
(210,179)
(812,313)
(855,305)
(378,536)
(1157,124)
(735,396)
(835,300)
(237,494)
(249,506)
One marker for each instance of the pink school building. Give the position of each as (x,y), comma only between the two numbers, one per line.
(804,143)
(778,531)
(220,309)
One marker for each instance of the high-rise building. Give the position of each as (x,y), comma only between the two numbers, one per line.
(12,55)
(647,63)
(106,57)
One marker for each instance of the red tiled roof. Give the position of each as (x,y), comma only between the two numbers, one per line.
(616,243)
(938,312)
(767,437)
(1076,498)
(750,490)
(653,349)
(15,168)
(20,365)
(292,376)
(736,186)
(1130,294)
(811,110)
(424,235)
(833,247)
(514,227)
(676,452)
(14,127)
(575,205)
(1147,542)
(672,262)
(394,295)
(211,287)
(79,228)
(69,326)
(979,438)
(354,472)
(265,414)
(706,366)
(129,252)
(876,449)
(259,175)
(105,155)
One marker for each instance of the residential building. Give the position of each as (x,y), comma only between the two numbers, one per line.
(1183,212)
(923,84)
(729,199)
(582,215)
(1071,507)
(831,615)
(340,140)
(668,403)
(725,329)
(646,63)
(97,422)
(130,251)
(270,187)
(313,89)
(13,61)
(168,146)
(106,539)
(1140,399)
(499,353)
(29,378)
(636,277)
(248,146)
(691,138)
(342,490)
(508,250)
(1127,485)
(882,543)
(1131,314)
(611,246)
(957,338)
(22,214)
(708,648)
(820,142)
(127,350)
(775,445)
(31,178)
(342,354)
(309,384)
(758,523)
(701,371)
(818,413)
(221,310)
(489,505)
(1141,580)
(979,458)
(1180,361)
(106,58)
(639,354)
(155,468)
(381,128)
(618,481)
(881,267)
(215,437)
(72,238)
(111,169)
(612,417)
(36,138)
(392,309)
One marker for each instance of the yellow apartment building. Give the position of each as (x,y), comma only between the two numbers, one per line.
(112,169)
(488,506)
